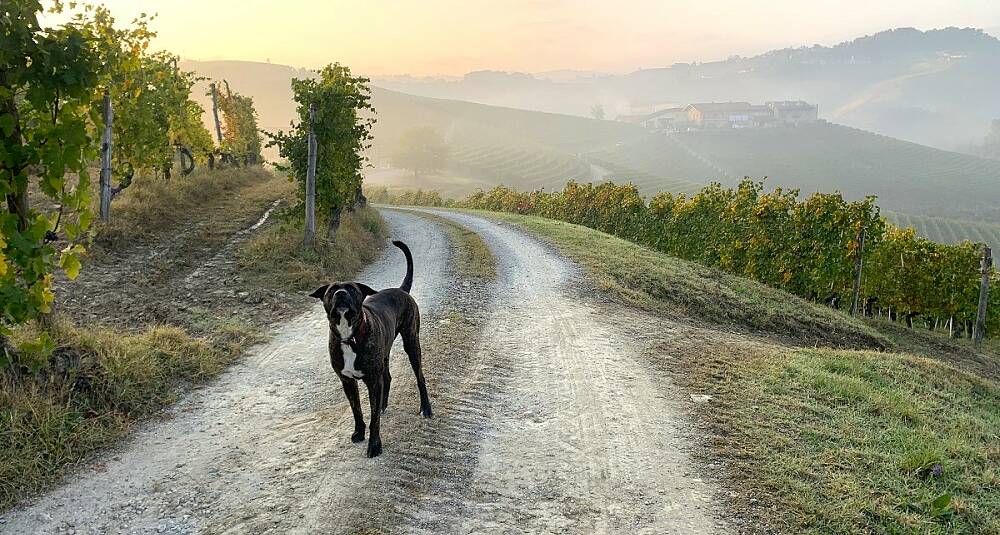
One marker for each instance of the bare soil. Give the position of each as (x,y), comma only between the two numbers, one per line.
(184,274)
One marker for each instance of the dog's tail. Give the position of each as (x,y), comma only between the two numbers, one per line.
(408,279)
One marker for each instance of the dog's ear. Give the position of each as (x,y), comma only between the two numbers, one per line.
(318,293)
(367,290)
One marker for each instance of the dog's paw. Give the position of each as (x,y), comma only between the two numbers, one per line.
(426,412)
(358,436)
(374,448)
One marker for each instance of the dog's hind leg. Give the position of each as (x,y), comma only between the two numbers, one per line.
(386,381)
(411,343)
(351,391)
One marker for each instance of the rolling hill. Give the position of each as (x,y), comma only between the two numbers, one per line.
(906,177)
(527,149)
(935,87)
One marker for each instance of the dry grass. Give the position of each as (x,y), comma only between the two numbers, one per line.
(97,384)
(277,257)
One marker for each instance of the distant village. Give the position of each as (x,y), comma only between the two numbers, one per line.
(726,115)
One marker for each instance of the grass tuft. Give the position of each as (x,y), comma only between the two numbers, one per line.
(150,206)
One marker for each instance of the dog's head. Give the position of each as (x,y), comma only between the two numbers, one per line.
(342,301)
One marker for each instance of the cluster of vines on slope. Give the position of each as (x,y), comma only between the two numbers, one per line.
(343,123)
(52,86)
(241,140)
(151,98)
(806,247)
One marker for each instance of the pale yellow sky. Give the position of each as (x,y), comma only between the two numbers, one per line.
(453,37)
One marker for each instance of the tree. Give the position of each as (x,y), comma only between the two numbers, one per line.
(597,112)
(343,126)
(48,81)
(421,149)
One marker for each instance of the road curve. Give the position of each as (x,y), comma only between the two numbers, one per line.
(547,420)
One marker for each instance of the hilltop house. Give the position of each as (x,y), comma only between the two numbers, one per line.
(727,115)
(793,111)
(719,114)
(667,119)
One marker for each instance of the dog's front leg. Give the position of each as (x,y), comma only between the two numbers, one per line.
(351,390)
(375,399)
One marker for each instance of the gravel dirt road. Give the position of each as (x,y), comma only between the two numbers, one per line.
(548,419)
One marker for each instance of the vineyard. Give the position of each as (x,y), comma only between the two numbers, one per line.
(808,247)
(946,230)
(905,176)
(91,94)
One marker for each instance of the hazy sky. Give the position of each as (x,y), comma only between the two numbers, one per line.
(457,36)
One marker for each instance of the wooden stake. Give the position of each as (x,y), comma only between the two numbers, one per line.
(106,146)
(984,296)
(311,179)
(858,266)
(215,113)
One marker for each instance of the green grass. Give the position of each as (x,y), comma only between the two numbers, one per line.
(828,441)
(662,283)
(473,257)
(277,258)
(97,384)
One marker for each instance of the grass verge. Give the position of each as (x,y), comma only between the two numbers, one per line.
(658,282)
(473,257)
(98,383)
(278,259)
(834,441)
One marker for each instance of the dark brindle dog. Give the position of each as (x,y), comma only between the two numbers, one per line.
(363,325)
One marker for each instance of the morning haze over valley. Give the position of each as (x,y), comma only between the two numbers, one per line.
(882,116)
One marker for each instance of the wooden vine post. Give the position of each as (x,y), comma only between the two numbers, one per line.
(858,266)
(106,146)
(984,295)
(311,179)
(215,113)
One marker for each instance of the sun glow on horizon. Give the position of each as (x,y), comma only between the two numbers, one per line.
(445,37)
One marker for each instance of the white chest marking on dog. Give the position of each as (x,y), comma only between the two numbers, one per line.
(343,327)
(349,357)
